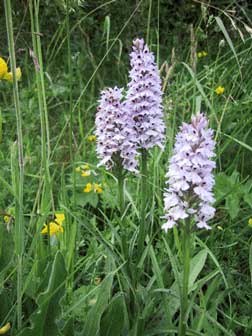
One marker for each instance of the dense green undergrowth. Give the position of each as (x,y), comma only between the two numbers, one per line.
(90,278)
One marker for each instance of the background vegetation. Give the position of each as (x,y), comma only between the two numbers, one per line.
(89,279)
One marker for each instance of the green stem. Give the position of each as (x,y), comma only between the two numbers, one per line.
(149,22)
(72,227)
(186,272)
(42,82)
(121,200)
(70,71)
(142,229)
(46,197)
(19,227)
(121,203)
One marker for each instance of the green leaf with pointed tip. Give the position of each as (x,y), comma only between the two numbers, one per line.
(43,319)
(100,302)
(197,265)
(113,320)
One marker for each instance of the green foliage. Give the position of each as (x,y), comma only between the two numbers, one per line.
(99,303)
(43,320)
(230,190)
(113,319)
(6,248)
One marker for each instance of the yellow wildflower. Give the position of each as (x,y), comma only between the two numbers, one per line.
(4,74)
(91,138)
(53,228)
(85,166)
(250,222)
(97,188)
(9,76)
(219,90)
(56,226)
(5,328)
(7,218)
(3,67)
(60,217)
(88,188)
(201,54)
(86,173)
(82,167)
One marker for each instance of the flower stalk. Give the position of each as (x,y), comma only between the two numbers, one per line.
(186,245)
(144,103)
(121,200)
(120,174)
(19,178)
(142,228)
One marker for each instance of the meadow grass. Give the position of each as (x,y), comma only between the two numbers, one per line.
(112,271)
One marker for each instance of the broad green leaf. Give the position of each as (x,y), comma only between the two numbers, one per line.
(100,302)
(43,319)
(233,205)
(112,322)
(248,199)
(223,185)
(197,265)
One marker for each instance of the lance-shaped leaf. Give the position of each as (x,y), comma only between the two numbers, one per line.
(43,319)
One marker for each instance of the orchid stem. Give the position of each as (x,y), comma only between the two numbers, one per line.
(186,241)
(142,229)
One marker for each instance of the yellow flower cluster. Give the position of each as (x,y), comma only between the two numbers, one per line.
(84,170)
(4,74)
(95,187)
(250,222)
(219,90)
(201,54)
(54,226)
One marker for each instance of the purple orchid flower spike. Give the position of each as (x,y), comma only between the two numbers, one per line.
(189,177)
(114,131)
(144,97)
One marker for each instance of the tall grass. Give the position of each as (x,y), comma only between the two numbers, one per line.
(17,170)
